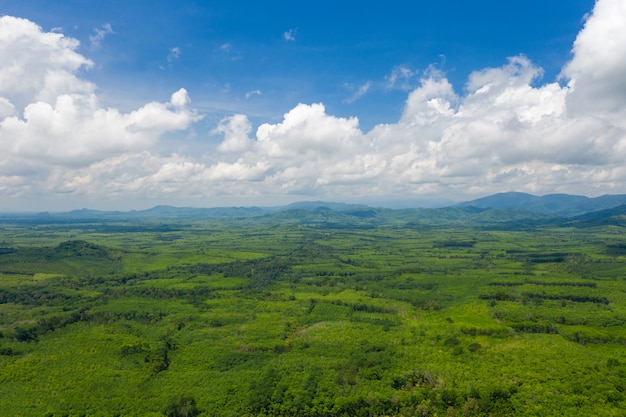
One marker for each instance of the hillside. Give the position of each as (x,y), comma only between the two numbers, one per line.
(316,313)
(514,208)
(558,204)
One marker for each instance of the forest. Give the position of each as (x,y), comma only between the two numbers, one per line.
(457,312)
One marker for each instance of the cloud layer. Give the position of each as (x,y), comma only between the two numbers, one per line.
(50,119)
(505,131)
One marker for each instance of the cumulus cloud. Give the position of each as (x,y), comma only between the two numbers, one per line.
(235,130)
(503,134)
(504,131)
(596,71)
(6,108)
(75,130)
(51,117)
(43,65)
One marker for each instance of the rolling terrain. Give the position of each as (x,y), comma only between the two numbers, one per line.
(314,311)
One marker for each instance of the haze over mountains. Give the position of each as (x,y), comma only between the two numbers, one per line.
(558,204)
(504,208)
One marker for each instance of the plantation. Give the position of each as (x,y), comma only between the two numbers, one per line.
(313,314)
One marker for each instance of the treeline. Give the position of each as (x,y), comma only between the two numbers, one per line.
(261,272)
(157,293)
(31,333)
(584,337)
(416,393)
(360,307)
(568,297)
(35,296)
(543,283)
(526,296)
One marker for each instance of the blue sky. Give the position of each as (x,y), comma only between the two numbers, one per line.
(285,101)
(225,50)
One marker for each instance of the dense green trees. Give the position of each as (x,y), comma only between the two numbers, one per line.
(183,407)
(245,318)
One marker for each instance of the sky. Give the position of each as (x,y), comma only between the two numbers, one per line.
(126,105)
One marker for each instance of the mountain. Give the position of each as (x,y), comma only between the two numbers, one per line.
(509,210)
(615,216)
(557,204)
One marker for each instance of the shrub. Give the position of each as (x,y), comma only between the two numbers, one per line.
(182,407)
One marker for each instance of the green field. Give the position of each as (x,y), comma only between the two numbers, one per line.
(258,318)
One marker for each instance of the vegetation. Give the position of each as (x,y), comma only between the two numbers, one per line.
(313,313)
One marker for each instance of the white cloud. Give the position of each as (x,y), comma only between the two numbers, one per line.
(76,131)
(400,78)
(50,117)
(99,35)
(180,98)
(360,92)
(227,52)
(307,130)
(235,130)
(290,35)
(6,108)
(253,93)
(43,65)
(505,131)
(596,71)
(174,54)
(434,99)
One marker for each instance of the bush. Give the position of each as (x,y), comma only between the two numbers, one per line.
(474,347)
(182,407)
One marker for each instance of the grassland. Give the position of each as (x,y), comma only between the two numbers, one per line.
(260,318)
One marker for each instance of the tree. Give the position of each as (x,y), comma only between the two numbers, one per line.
(182,407)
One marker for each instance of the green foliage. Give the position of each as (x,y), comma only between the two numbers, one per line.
(182,407)
(355,314)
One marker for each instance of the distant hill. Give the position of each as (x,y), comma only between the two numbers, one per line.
(558,204)
(615,216)
(508,210)
(157,212)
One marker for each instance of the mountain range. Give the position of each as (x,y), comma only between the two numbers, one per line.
(557,204)
(511,209)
